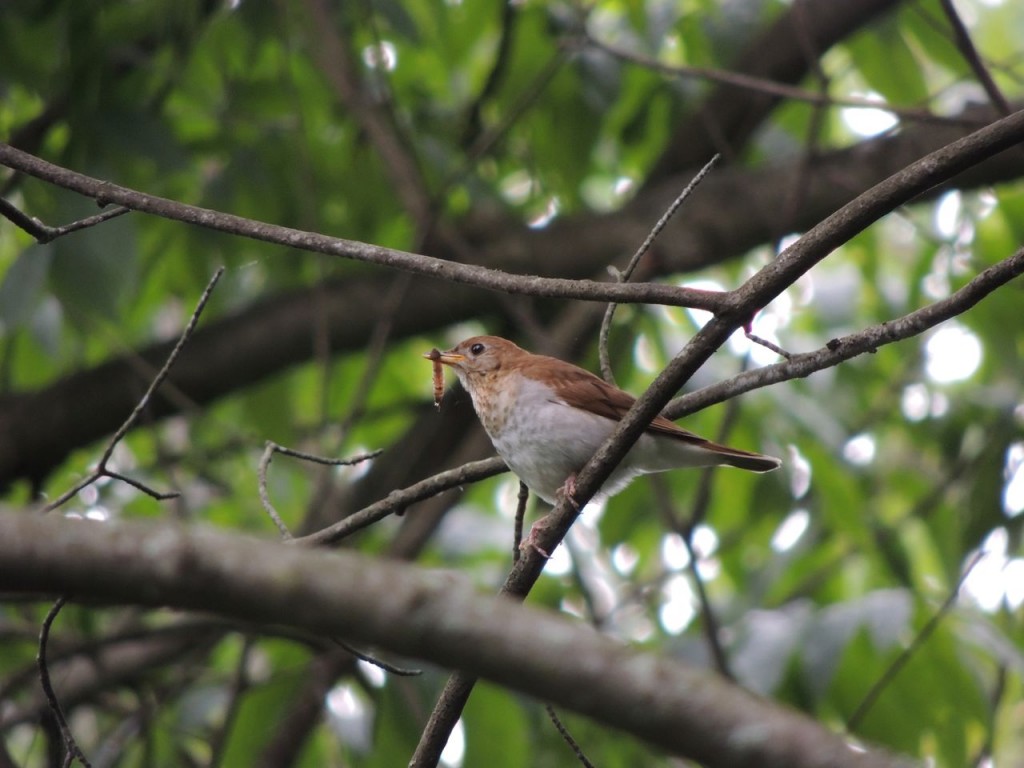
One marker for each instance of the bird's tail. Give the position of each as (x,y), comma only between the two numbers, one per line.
(735,457)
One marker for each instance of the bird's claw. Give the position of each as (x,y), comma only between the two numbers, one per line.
(568,491)
(530,542)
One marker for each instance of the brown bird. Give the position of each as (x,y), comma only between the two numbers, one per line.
(547,418)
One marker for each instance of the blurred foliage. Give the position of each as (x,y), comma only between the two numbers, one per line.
(900,465)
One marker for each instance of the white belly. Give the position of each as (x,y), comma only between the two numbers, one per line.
(544,441)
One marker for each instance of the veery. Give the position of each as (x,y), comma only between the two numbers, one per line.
(547,418)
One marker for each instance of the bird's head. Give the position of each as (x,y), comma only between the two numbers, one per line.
(478,356)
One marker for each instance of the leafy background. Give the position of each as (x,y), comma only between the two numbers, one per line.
(513,135)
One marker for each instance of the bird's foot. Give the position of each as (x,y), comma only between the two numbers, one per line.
(568,491)
(530,542)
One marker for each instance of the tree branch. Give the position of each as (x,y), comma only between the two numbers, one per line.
(336,60)
(421,614)
(74,752)
(757,292)
(723,122)
(760,85)
(101,469)
(44,233)
(397,501)
(469,274)
(966,47)
(850,346)
(734,210)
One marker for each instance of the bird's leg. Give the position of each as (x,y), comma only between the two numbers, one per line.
(567,492)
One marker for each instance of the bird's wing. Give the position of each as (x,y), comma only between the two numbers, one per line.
(582,389)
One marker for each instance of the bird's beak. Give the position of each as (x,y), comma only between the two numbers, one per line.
(448,358)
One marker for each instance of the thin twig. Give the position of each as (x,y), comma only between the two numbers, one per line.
(387,667)
(768,344)
(44,233)
(158,495)
(709,619)
(264,465)
(166,369)
(907,653)
(846,347)
(966,47)
(261,475)
(577,750)
(685,529)
(101,468)
(774,88)
(325,460)
(74,752)
(268,454)
(397,501)
(624,275)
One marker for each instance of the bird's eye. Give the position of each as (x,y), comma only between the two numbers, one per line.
(476,349)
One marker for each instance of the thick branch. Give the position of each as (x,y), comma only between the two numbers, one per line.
(727,118)
(421,614)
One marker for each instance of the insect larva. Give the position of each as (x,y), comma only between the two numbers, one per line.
(435,357)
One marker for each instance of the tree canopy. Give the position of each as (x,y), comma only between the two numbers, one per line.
(236,529)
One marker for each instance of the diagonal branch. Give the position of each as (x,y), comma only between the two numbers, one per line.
(800,366)
(101,469)
(768,283)
(397,501)
(377,123)
(724,123)
(966,47)
(760,289)
(74,752)
(906,654)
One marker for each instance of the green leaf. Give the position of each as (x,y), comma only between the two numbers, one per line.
(496,729)
(889,65)
(22,285)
